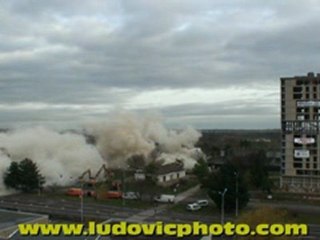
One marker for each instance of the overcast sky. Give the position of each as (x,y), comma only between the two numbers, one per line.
(204,63)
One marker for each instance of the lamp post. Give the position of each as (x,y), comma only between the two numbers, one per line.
(39,186)
(81,203)
(123,185)
(222,204)
(237,191)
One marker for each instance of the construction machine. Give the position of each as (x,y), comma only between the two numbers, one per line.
(88,183)
(87,178)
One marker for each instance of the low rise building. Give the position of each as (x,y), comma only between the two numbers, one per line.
(169,174)
(165,175)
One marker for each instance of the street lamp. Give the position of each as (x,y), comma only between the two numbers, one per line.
(237,191)
(222,204)
(39,186)
(123,185)
(124,169)
(81,203)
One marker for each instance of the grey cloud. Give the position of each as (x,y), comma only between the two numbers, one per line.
(65,52)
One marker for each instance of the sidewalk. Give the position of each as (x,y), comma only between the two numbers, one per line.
(141,216)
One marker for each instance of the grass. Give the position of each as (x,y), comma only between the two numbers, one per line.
(305,218)
(127,203)
(210,210)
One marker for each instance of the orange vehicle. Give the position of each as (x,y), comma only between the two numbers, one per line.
(110,195)
(77,192)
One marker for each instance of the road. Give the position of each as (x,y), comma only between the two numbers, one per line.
(100,212)
(70,209)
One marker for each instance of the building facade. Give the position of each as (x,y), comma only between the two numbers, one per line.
(300,149)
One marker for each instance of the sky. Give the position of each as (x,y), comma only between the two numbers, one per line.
(201,63)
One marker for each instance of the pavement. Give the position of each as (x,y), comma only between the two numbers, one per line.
(143,215)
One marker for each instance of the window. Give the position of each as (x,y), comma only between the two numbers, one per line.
(297,89)
(300,117)
(297,96)
(297,165)
(297,159)
(299,172)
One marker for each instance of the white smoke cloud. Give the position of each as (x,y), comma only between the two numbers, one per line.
(4,164)
(61,158)
(126,134)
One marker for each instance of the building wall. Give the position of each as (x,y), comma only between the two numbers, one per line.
(170,177)
(300,110)
(139,176)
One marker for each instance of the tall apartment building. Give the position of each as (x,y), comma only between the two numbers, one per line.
(300,116)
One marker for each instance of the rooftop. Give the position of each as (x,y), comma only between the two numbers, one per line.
(169,168)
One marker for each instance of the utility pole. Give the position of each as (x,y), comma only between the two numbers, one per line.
(39,186)
(123,185)
(237,193)
(81,203)
(222,204)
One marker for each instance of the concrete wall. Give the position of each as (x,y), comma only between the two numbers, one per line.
(169,178)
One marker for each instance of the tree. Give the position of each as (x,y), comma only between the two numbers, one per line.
(201,170)
(227,177)
(12,176)
(259,171)
(23,176)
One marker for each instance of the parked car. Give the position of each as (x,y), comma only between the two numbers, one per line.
(203,202)
(165,198)
(193,207)
(131,195)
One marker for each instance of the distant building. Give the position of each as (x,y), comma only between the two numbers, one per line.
(139,175)
(166,174)
(300,114)
(169,174)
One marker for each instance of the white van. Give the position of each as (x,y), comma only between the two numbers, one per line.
(165,198)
